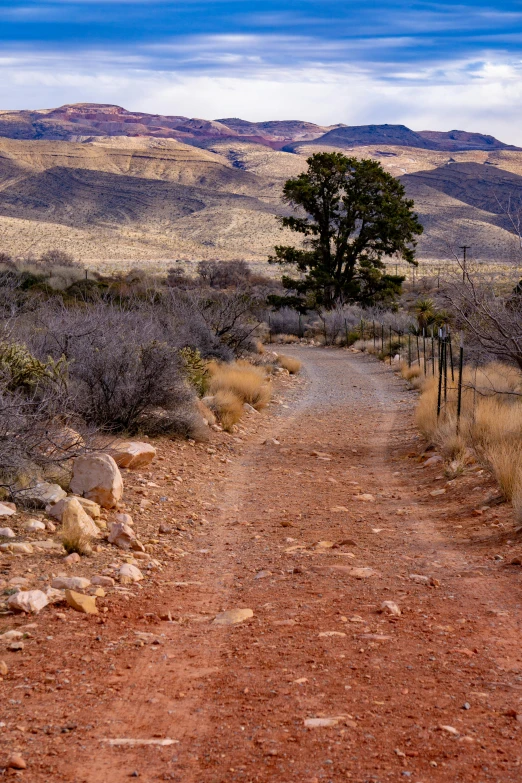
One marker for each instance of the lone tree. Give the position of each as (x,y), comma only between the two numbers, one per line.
(353,213)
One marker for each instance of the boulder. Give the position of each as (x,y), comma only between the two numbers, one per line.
(41,495)
(129,574)
(97,477)
(7,511)
(6,532)
(133,454)
(81,603)
(89,506)
(27,601)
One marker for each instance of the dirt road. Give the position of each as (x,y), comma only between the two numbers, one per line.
(323,514)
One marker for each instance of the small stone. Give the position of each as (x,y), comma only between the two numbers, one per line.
(6,532)
(17,548)
(232,616)
(16,762)
(331,633)
(420,579)
(4,668)
(262,574)
(103,581)
(121,535)
(362,573)
(435,492)
(11,635)
(390,607)
(30,601)
(449,730)
(133,454)
(74,557)
(128,574)
(15,646)
(99,592)
(365,497)
(7,511)
(321,723)
(466,705)
(33,525)
(70,583)
(80,602)
(432,461)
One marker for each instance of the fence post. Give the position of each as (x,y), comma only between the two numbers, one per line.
(432,351)
(362,329)
(269,329)
(445,367)
(418,349)
(439,394)
(346,332)
(459,393)
(374,337)
(382,341)
(390,345)
(451,357)
(300,328)
(409,349)
(424,347)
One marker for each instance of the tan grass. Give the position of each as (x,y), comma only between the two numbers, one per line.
(287,339)
(490,425)
(228,407)
(76,539)
(289,363)
(248,383)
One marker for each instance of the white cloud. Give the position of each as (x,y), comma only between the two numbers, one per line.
(485,97)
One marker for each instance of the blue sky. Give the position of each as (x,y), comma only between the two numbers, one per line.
(437,65)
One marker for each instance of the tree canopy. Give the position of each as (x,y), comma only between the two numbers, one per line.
(353,214)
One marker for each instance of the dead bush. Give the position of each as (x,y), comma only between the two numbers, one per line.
(289,363)
(249,384)
(228,407)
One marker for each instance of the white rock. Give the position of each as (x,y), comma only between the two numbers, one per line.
(232,616)
(390,607)
(54,596)
(97,477)
(42,495)
(432,461)
(6,532)
(27,601)
(420,579)
(70,583)
(32,525)
(18,547)
(133,454)
(89,506)
(103,581)
(129,574)
(365,497)
(121,535)
(75,522)
(6,511)
(435,492)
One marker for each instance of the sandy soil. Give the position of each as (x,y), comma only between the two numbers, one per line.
(430,695)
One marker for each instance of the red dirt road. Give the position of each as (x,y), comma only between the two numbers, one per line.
(431,695)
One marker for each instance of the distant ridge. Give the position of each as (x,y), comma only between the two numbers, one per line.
(79,121)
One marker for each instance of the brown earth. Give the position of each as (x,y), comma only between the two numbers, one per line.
(251,510)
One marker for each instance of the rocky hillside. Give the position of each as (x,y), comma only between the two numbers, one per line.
(115,188)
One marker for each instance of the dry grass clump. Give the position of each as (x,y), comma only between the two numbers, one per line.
(289,363)
(247,382)
(367,346)
(228,407)
(490,425)
(287,339)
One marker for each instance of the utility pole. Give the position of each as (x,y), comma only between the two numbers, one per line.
(464,249)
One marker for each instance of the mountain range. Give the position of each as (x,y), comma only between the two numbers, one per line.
(116,188)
